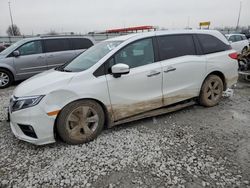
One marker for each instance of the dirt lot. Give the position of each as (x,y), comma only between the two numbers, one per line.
(195,147)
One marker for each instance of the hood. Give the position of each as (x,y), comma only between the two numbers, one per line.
(2,56)
(43,83)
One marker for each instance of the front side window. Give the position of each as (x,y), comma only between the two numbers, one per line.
(172,46)
(91,56)
(136,54)
(56,45)
(211,44)
(34,47)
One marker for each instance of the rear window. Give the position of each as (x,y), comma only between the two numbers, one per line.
(80,43)
(172,46)
(211,44)
(56,45)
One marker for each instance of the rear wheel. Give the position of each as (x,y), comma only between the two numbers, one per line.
(6,78)
(211,91)
(80,122)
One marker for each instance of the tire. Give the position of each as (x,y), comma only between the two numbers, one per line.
(80,122)
(211,91)
(6,78)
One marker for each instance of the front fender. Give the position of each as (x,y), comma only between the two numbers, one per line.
(8,64)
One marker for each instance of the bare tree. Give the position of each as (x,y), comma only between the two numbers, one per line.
(13,31)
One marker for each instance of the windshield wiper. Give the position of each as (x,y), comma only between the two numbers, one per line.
(61,68)
(65,70)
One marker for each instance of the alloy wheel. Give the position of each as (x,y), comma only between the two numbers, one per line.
(82,122)
(4,79)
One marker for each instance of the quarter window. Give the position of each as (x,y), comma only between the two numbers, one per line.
(56,45)
(211,44)
(136,54)
(172,46)
(34,47)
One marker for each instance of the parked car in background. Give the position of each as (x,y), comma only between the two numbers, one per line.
(238,42)
(123,79)
(2,47)
(30,56)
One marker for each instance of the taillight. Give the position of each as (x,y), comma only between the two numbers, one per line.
(234,55)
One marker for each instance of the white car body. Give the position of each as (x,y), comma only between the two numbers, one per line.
(173,80)
(238,42)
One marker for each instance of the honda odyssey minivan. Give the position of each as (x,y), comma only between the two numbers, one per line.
(31,56)
(123,79)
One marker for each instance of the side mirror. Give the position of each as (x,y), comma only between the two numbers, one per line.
(119,69)
(16,53)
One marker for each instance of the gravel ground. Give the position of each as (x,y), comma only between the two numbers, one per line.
(194,147)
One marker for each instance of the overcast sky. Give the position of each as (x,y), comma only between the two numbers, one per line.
(41,16)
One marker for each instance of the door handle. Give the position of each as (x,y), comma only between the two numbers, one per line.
(169,69)
(153,73)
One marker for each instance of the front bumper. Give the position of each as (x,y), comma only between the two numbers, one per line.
(42,124)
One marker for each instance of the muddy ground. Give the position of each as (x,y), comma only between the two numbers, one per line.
(194,147)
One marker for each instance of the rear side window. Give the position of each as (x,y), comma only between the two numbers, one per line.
(80,43)
(172,46)
(238,38)
(56,45)
(244,37)
(211,44)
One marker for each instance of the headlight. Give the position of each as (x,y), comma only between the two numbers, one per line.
(25,102)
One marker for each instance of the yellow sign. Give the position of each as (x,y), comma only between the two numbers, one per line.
(205,24)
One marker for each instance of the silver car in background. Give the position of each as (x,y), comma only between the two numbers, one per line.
(31,56)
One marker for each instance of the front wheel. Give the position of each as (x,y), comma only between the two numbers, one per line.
(80,122)
(6,78)
(211,91)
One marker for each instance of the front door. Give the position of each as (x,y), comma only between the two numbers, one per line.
(31,60)
(141,89)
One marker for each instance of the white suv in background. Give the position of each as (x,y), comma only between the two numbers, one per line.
(238,42)
(123,79)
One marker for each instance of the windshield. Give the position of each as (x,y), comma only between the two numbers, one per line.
(11,48)
(91,56)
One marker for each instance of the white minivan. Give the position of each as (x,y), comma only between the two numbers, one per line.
(123,79)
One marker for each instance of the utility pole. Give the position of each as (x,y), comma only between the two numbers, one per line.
(12,25)
(238,21)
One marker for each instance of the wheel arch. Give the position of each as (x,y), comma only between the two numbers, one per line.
(107,121)
(9,70)
(222,77)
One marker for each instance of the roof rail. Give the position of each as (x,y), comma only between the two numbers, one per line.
(46,36)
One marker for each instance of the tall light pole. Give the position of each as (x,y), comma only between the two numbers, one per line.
(238,21)
(12,25)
